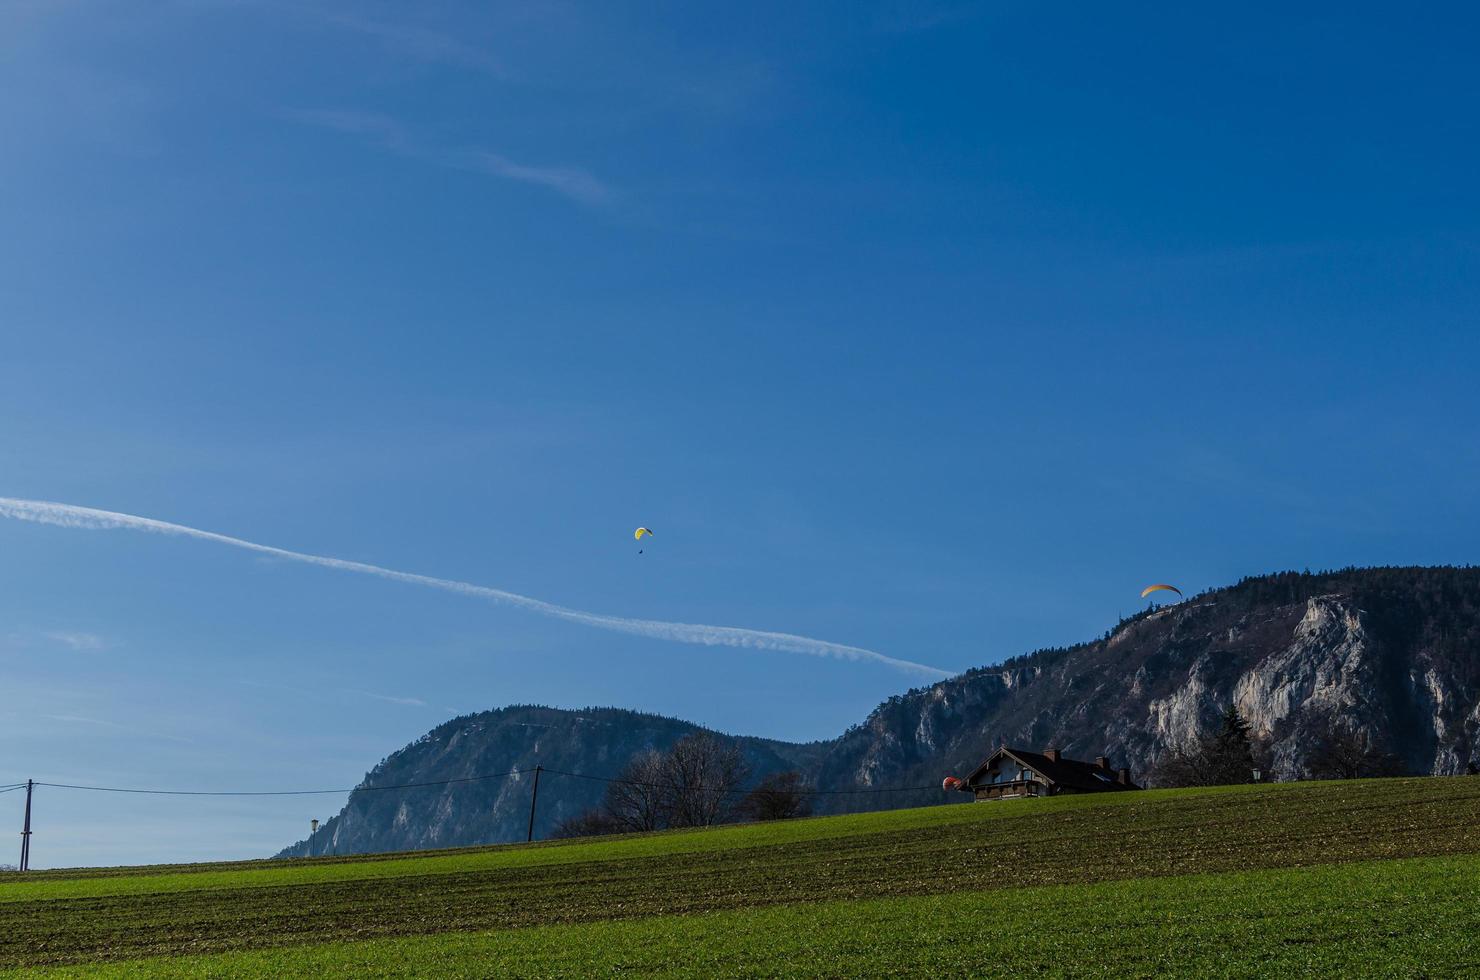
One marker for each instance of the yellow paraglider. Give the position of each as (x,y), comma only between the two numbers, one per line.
(638,535)
(1161,588)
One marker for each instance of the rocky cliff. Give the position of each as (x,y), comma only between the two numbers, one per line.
(1393,651)
(477,809)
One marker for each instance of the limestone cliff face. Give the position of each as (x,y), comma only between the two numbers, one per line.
(1393,651)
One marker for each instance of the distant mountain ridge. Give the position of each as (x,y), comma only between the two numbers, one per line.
(1393,651)
(592,741)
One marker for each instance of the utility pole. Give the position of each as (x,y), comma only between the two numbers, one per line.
(26,830)
(533,796)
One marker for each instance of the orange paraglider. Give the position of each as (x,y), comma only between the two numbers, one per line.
(1161,588)
(950,783)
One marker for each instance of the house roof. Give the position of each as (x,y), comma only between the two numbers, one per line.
(1071,773)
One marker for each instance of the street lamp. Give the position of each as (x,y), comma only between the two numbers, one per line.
(314,829)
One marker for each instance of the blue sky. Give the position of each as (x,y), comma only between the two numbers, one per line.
(935,329)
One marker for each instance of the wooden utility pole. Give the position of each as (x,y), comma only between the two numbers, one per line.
(533,797)
(26,830)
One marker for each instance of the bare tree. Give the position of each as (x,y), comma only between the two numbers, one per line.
(1180,766)
(1340,751)
(691,785)
(1229,755)
(588,823)
(780,796)
(700,773)
(635,802)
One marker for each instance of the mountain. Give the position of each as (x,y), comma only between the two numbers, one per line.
(591,741)
(1394,652)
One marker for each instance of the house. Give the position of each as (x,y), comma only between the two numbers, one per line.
(1009,773)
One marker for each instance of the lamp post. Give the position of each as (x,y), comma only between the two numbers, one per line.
(313,832)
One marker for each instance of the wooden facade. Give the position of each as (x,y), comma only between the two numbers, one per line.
(1011,773)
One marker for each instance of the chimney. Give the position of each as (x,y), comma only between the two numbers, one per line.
(1051,754)
(1124,778)
(1102,762)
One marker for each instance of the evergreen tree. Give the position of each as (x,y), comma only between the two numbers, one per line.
(1224,758)
(1230,751)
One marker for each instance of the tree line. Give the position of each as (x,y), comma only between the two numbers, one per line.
(696,783)
(1233,754)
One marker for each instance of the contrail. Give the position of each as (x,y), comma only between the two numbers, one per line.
(69,515)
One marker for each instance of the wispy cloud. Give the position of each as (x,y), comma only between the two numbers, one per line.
(91,518)
(77,640)
(420,43)
(31,639)
(320,693)
(74,720)
(390,135)
(411,702)
(83,720)
(575,184)
(380,129)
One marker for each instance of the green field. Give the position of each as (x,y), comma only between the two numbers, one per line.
(1376,877)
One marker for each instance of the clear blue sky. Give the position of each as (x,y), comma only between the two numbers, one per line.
(937,329)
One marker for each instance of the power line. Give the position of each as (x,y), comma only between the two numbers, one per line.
(282,792)
(534,796)
(192,792)
(435,782)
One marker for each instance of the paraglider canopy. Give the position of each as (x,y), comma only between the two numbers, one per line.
(637,535)
(950,783)
(1161,588)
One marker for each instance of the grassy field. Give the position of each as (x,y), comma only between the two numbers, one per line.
(1375,877)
